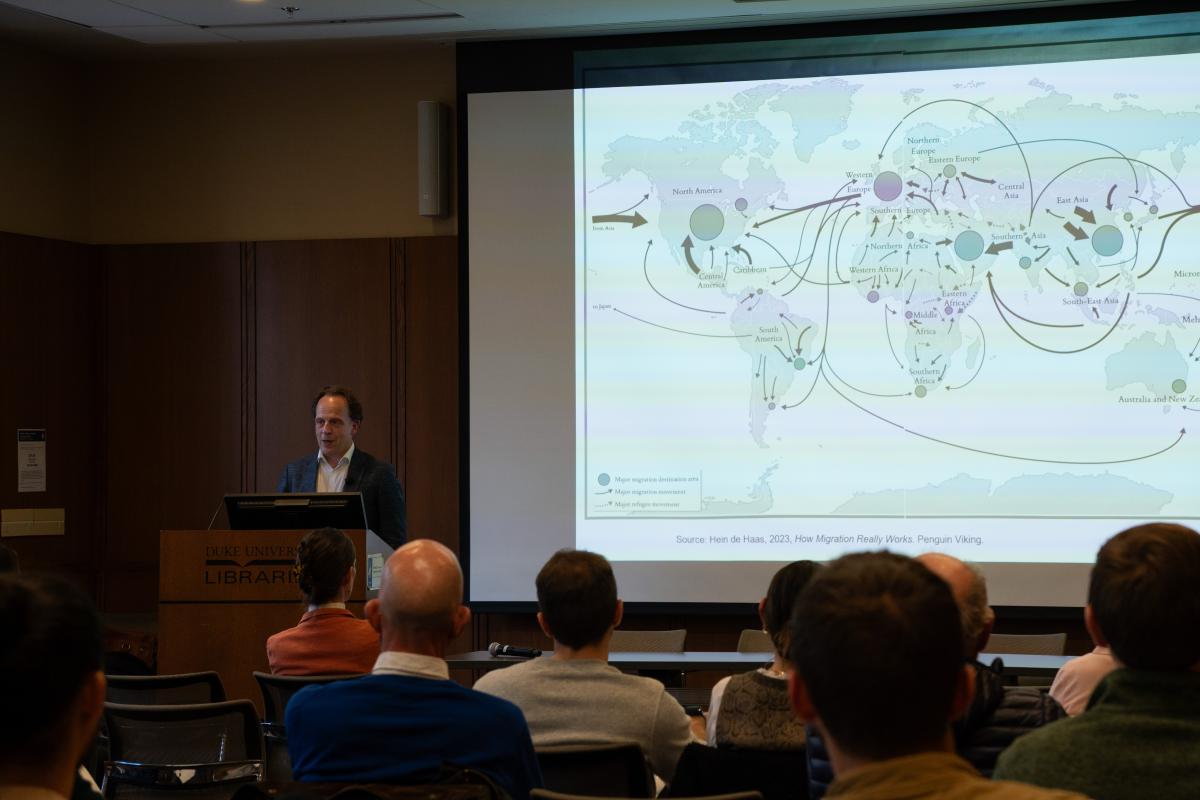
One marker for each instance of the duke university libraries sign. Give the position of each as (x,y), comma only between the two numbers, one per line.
(249,564)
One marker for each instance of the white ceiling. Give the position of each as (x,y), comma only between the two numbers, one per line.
(199,22)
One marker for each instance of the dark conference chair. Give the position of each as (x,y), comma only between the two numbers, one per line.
(203,733)
(277,690)
(157,690)
(776,774)
(614,770)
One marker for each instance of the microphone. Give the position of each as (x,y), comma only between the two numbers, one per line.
(497,649)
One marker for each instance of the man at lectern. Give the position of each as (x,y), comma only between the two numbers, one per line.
(340,467)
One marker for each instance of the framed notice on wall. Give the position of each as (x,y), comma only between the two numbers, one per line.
(31,459)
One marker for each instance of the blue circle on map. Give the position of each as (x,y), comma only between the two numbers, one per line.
(872,296)
(1026,262)
(799,364)
(741,204)
(1108,240)
(603,479)
(888,186)
(707,222)
(968,245)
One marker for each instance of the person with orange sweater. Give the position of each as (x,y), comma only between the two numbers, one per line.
(329,640)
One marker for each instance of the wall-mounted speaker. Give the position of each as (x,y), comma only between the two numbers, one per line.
(433,159)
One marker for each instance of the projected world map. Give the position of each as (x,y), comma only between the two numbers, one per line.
(960,293)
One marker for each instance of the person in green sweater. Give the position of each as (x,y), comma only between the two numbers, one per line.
(1140,734)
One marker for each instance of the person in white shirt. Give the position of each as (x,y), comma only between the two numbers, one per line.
(1075,680)
(52,692)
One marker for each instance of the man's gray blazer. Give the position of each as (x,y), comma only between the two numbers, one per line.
(383,497)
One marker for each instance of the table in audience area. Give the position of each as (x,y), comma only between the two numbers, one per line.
(1014,663)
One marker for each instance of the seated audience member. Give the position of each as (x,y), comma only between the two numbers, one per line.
(329,640)
(52,692)
(574,696)
(999,713)
(407,719)
(751,710)
(1077,679)
(876,647)
(1140,734)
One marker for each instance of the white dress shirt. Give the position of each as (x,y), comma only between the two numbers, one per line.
(414,665)
(332,478)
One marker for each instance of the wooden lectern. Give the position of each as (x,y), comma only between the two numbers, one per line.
(222,593)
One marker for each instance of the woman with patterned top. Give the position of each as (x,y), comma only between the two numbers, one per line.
(751,710)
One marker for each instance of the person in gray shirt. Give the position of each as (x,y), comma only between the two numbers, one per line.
(574,696)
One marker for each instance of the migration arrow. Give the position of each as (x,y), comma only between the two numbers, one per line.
(809,207)
(1001,304)
(737,248)
(1108,202)
(914,196)
(1052,275)
(969,176)
(650,283)
(1085,215)
(982,357)
(1076,232)
(998,247)
(687,252)
(634,220)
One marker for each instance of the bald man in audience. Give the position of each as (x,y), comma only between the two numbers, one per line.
(407,719)
(52,690)
(1140,734)
(999,714)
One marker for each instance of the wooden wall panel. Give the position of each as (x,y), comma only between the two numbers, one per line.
(51,373)
(431,367)
(323,315)
(172,403)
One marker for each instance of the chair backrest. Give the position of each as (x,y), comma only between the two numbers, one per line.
(1029,644)
(204,733)
(648,641)
(277,690)
(161,690)
(616,770)
(174,782)
(755,641)
(775,774)
(543,794)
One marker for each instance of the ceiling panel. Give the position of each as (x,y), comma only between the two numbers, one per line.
(268,12)
(93,13)
(348,30)
(166,34)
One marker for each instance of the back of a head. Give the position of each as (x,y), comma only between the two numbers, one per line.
(785,587)
(969,587)
(1145,596)
(51,645)
(877,641)
(323,557)
(577,595)
(422,589)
